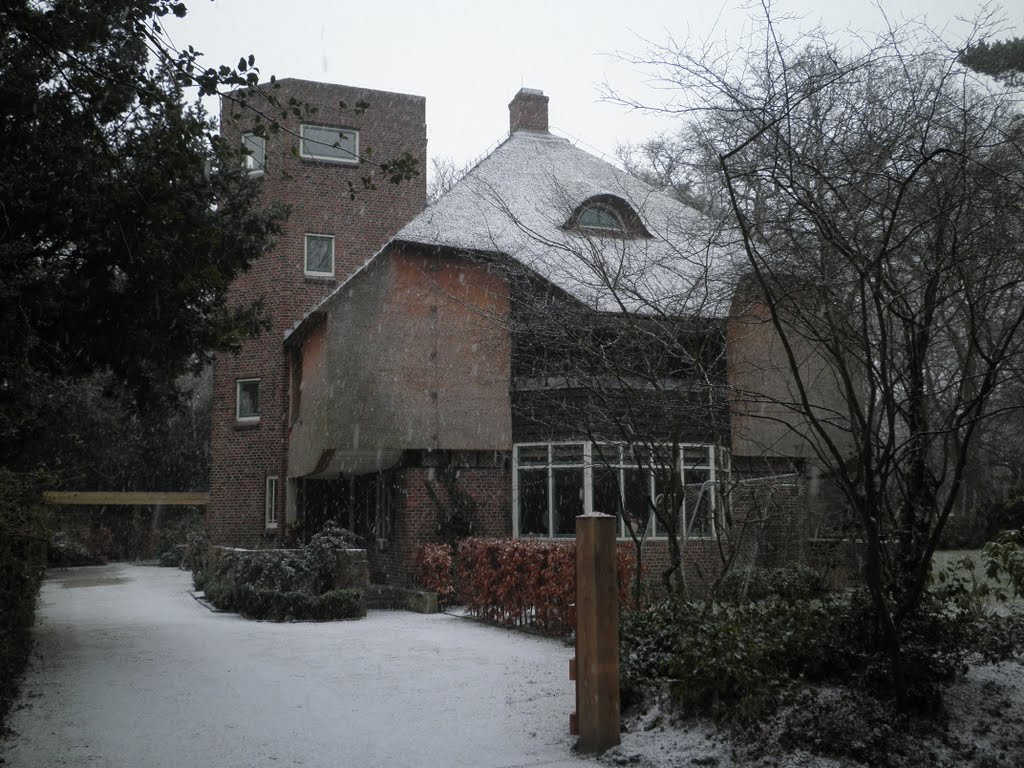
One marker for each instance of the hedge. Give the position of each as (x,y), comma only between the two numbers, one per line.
(271,605)
(22,567)
(281,584)
(516,582)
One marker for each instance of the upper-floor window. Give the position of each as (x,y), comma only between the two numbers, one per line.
(247,400)
(332,145)
(319,255)
(607,215)
(255,153)
(599,216)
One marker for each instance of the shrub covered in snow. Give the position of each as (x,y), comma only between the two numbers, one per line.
(756,666)
(282,584)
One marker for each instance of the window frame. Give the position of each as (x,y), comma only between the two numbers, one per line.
(250,418)
(305,255)
(717,463)
(270,502)
(250,141)
(353,160)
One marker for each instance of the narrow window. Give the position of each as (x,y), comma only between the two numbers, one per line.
(331,145)
(271,501)
(320,255)
(255,153)
(247,400)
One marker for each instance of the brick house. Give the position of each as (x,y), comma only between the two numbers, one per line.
(425,362)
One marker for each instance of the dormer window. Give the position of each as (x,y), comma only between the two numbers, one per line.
(607,216)
(599,216)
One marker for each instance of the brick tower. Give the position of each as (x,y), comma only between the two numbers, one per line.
(311,164)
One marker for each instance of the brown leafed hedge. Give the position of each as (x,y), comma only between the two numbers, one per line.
(516,582)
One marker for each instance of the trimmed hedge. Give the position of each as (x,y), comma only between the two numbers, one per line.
(22,567)
(279,584)
(516,582)
(433,569)
(270,605)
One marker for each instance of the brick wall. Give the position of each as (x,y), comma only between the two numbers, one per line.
(484,475)
(243,455)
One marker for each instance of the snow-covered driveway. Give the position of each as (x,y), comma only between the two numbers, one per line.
(131,672)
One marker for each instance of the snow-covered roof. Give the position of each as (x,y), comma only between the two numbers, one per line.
(519,201)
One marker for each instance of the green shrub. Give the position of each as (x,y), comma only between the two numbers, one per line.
(843,723)
(270,605)
(22,567)
(1004,559)
(278,584)
(738,662)
(798,582)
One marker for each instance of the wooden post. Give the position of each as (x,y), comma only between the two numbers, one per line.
(597,634)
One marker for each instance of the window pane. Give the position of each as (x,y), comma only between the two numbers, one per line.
(599,217)
(248,399)
(695,456)
(607,499)
(533,455)
(602,453)
(638,498)
(319,254)
(330,143)
(256,146)
(271,515)
(533,503)
(698,502)
(664,501)
(568,500)
(567,454)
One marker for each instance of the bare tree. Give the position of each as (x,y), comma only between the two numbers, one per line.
(878,198)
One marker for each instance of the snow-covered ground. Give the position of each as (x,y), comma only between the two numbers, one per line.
(131,672)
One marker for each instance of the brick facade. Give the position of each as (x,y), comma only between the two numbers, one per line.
(318,194)
(485,476)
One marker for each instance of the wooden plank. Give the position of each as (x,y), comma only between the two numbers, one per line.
(126,498)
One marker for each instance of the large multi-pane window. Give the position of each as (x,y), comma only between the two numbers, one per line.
(553,483)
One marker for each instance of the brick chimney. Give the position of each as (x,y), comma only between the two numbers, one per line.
(528,111)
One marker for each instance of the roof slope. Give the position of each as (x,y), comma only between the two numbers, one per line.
(518,200)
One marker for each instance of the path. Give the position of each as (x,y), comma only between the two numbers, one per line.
(131,672)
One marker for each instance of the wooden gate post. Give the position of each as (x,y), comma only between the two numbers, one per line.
(597,634)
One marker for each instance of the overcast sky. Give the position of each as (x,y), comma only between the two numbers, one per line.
(468,58)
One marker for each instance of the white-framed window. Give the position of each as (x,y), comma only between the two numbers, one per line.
(330,145)
(553,483)
(255,153)
(270,502)
(247,400)
(319,259)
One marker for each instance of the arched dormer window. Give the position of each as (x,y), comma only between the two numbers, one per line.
(599,216)
(607,215)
